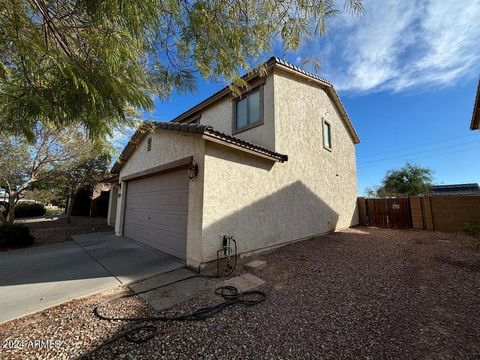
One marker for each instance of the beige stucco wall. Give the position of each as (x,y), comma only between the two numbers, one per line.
(168,146)
(299,108)
(264,204)
(219,115)
(112,205)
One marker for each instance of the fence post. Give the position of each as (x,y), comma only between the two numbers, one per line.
(362,212)
(427,213)
(416,212)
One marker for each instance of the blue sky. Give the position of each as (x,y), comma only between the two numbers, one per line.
(407,75)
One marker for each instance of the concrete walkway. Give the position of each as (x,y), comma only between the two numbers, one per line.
(34,279)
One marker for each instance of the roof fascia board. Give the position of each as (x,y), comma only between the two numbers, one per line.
(214,139)
(184,163)
(475,124)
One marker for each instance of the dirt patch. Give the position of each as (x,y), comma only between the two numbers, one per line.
(361,293)
(50,231)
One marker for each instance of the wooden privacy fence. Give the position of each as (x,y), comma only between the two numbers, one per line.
(388,213)
(443,213)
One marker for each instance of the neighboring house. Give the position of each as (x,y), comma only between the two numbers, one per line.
(92,200)
(455,189)
(272,166)
(475,124)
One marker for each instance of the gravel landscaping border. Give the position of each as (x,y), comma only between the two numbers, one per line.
(359,293)
(51,230)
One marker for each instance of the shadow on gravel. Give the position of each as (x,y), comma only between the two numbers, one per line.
(473,266)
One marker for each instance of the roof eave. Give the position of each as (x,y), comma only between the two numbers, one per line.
(207,133)
(275,62)
(270,64)
(135,139)
(276,157)
(475,124)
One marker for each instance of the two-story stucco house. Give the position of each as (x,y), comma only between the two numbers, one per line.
(272,166)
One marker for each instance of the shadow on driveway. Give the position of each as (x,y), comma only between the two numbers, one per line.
(34,279)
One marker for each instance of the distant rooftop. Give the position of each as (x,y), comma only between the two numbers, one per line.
(455,189)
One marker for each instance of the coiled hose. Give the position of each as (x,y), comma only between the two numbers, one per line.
(143,330)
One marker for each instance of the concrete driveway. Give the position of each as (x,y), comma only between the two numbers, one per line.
(34,279)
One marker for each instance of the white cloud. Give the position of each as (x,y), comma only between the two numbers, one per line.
(398,45)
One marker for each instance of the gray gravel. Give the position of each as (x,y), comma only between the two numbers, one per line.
(360,293)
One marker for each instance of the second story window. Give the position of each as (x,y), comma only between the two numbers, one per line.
(248,110)
(327,135)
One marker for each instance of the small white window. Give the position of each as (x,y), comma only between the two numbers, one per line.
(149,144)
(327,136)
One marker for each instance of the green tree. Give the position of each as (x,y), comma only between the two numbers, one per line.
(88,169)
(95,63)
(410,180)
(42,195)
(24,163)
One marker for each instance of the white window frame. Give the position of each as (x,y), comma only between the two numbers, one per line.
(236,129)
(327,125)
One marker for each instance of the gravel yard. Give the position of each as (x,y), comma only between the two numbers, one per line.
(50,231)
(354,294)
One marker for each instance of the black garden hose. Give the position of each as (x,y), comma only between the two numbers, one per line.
(143,324)
(143,329)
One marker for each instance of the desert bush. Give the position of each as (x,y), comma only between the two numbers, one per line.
(25,209)
(15,235)
(3,207)
(52,212)
(472,228)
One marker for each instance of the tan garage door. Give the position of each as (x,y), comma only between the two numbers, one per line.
(156,212)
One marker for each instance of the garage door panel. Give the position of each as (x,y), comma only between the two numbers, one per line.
(156,212)
(164,240)
(160,195)
(152,201)
(168,239)
(167,222)
(164,208)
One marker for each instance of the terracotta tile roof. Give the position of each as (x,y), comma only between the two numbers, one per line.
(208,132)
(194,128)
(211,132)
(455,189)
(475,124)
(282,64)
(300,70)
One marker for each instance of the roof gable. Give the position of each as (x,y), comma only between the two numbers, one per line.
(272,63)
(207,132)
(179,123)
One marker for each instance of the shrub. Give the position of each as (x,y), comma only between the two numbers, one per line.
(29,209)
(472,228)
(3,209)
(52,212)
(15,235)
